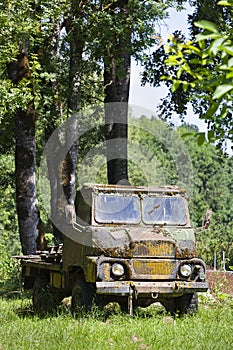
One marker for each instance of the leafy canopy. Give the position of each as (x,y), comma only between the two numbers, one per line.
(204,68)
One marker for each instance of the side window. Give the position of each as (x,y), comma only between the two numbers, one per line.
(83,210)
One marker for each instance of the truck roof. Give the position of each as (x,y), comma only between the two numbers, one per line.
(170,190)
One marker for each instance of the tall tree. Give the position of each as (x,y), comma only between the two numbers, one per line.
(26,27)
(116,88)
(63,171)
(131,29)
(25,162)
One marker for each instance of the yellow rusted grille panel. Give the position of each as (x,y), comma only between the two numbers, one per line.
(160,248)
(157,269)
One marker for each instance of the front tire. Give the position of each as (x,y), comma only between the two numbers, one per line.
(83,296)
(186,304)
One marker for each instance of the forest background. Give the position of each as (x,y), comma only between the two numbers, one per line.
(67,51)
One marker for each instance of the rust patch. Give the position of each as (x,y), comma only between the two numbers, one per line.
(154,268)
(157,248)
(104,271)
(185,249)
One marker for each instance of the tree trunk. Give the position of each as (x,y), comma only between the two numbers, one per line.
(75,81)
(25,163)
(61,163)
(116,89)
(63,172)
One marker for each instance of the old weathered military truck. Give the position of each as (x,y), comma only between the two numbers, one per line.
(131,245)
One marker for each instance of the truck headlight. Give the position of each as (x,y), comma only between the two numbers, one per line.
(118,270)
(185,270)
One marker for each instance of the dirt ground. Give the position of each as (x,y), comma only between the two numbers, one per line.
(220,282)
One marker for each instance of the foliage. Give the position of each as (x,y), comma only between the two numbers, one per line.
(8,220)
(155,142)
(163,156)
(198,71)
(10,274)
(208,74)
(9,239)
(210,11)
(41,30)
(212,188)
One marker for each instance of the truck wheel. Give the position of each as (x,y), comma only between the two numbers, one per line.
(186,304)
(82,297)
(44,299)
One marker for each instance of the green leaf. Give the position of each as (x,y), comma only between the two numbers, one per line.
(216,45)
(195,61)
(229,75)
(185,86)
(194,49)
(200,138)
(207,25)
(211,136)
(201,37)
(230,62)
(224,112)
(188,134)
(175,85)
(227,49)
(201,44)
(211,111)
(180,71)
(226,3)
(222,90)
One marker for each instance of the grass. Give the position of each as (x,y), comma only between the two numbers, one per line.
(211,328)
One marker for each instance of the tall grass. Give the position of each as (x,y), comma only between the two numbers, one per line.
(151,328)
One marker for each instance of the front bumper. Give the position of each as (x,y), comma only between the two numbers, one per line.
(146,289)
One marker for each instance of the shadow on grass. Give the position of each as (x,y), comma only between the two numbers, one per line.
(113,310)
(12,289)
(24,309)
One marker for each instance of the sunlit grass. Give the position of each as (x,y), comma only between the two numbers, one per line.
(151,328)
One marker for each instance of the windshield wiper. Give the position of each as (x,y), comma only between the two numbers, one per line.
(153,209)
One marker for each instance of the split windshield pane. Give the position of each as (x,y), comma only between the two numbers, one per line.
(164,210)
(111,208)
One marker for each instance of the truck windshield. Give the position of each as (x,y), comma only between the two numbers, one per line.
(164,210)
(110,208)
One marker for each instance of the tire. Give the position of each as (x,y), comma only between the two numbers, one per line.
(83,297)
(186,304)
(45,299)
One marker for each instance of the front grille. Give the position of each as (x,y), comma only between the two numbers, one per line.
(153,269)
(154,249)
